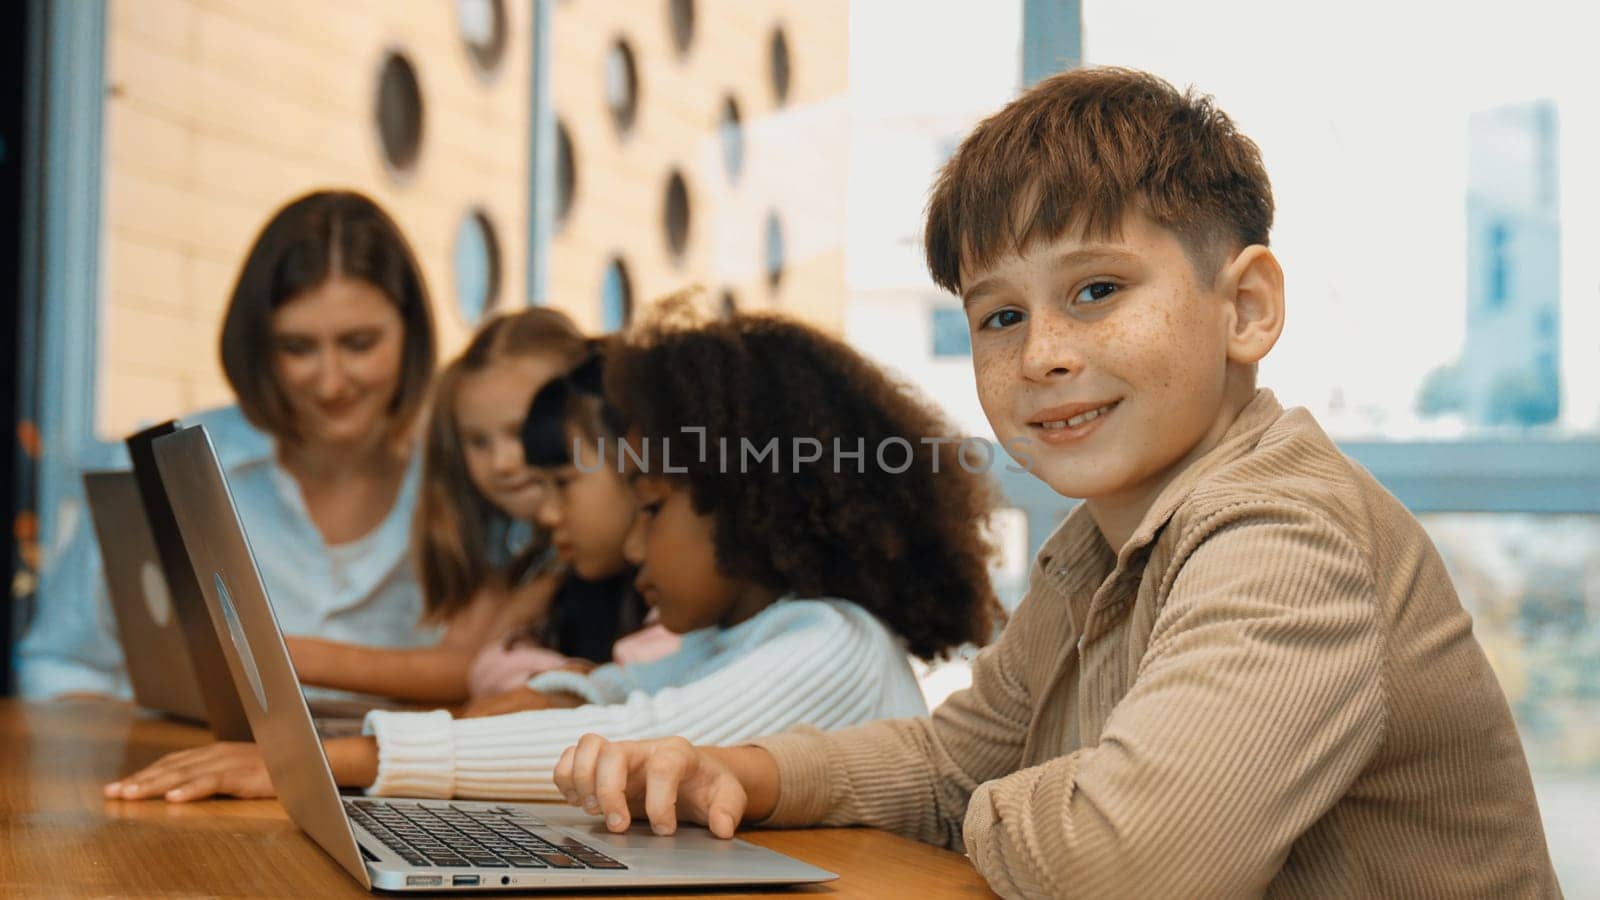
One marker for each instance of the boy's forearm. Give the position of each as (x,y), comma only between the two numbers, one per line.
(354,760)
(757,772)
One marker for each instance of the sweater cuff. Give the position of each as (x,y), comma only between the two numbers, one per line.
(416,753)
(1008,868)
(977,831)
(804,786)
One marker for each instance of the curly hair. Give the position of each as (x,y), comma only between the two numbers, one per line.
(907,546)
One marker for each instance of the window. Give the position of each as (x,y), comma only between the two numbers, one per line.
(948,327)
(682,16)
(775,251)
(1425,247)
(1529,582)
(482,24)
(477,266)
(622,86)
(1496,256)
(399,112)
(566,174)
(731,132)
(616,297)
(676,216)
(778,65)
(1442,317)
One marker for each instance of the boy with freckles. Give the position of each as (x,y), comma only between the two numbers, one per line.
(1241,668)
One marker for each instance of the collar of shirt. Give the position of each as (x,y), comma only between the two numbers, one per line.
(1085,570)
(356,570)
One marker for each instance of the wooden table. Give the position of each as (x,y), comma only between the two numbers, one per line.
(59,837)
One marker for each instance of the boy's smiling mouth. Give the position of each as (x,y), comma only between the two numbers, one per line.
(1068,422)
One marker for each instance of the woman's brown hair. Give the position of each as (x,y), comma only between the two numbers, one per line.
(317,237)
(462,538)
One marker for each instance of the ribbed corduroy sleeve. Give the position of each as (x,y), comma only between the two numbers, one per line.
(1260,699)
(912,776)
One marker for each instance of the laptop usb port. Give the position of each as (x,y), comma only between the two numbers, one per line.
(459,880)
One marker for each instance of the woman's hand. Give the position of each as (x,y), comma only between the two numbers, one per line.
(666,780)
(235,769)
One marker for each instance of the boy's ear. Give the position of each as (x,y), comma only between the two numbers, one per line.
(1252,285)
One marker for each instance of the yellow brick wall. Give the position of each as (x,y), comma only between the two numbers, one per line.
(220,111)
(795,155)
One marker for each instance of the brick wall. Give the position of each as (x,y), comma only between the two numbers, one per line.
(795,153)
(219,111)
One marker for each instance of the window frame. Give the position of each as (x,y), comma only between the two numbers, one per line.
(1491,473)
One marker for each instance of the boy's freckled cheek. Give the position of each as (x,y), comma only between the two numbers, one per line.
(997,380)
(992,366)
(1117,336)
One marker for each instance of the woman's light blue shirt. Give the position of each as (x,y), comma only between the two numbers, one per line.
(363,592)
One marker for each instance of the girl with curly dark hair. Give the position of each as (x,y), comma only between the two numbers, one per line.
(798,583)
(817,473)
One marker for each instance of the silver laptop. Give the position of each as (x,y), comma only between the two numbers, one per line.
(193,665)
(153,644)
(150,664)
(395,844)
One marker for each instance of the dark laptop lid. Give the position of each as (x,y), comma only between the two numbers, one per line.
(256,663)
(153,643)
(226,715)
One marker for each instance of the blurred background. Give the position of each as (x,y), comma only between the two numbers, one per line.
(1436,219)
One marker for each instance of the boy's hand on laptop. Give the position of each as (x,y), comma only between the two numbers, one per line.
(236,769)
(666,780)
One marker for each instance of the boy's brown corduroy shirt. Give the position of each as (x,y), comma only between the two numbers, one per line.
(1272,689)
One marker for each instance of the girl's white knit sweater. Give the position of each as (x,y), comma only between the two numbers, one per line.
(827,663)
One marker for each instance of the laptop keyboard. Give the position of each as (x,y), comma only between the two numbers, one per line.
(455,837)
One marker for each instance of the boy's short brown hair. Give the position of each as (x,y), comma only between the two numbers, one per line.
(1076,151)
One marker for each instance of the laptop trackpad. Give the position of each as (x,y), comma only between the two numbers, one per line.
(688,846)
